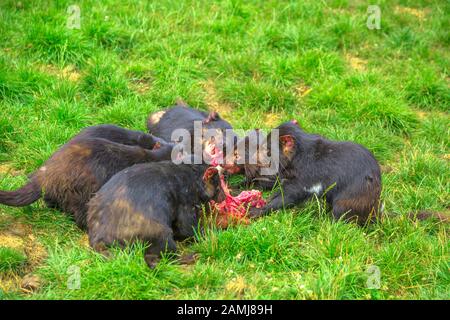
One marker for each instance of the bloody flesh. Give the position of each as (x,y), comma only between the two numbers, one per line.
(234,209)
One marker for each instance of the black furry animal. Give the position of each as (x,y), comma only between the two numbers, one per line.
(81,166)
(181,116)
(346,172)
(252,151)
(121,135)
(156,203)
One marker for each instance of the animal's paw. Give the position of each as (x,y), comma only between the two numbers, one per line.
(254,213)
(102,249)
(152,260)
(188,259)
(164,151)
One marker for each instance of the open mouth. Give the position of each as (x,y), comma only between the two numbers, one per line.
(215,157)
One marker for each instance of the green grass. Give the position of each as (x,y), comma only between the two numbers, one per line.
(11,260)
(387,89)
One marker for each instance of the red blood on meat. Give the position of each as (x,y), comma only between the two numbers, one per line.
(234,209)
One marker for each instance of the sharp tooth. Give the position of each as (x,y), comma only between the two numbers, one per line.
(219,169)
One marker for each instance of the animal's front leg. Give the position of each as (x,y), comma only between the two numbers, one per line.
(185,223)
(149,141)
(164,152)
(281,200)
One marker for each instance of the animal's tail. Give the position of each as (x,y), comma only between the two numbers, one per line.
(24,196)
(425,215)
(420,215)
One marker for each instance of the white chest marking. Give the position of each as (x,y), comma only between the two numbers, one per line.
(316,188)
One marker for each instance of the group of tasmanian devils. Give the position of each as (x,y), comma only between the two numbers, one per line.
(123,186)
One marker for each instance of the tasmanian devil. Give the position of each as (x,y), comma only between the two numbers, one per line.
(121,135)
(181,116)
(346,173)
(155,203)
(250,156)
(80,167)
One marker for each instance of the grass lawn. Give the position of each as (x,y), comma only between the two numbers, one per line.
(258,63)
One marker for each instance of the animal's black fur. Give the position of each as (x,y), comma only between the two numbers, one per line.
(181,116)
(163,123)
(251,158)
(347,171)
(156,203)
(80,167)
(121,135)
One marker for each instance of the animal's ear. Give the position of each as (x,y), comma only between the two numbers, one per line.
(287,145)
(212,116)
(180,102)
(209,173)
